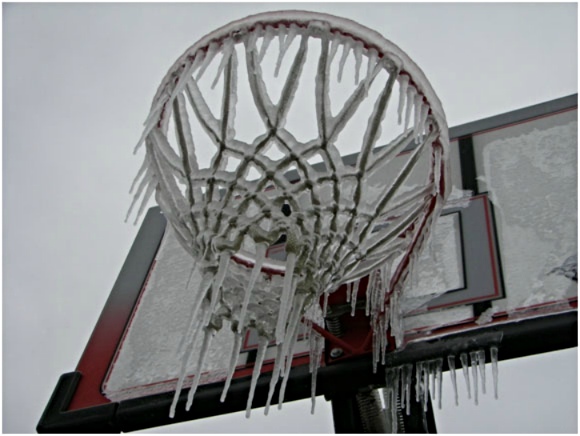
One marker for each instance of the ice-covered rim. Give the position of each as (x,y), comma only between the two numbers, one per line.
(348,28)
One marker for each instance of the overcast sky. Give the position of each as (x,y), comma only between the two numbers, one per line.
(78,80)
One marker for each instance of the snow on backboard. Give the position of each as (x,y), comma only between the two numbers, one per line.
(510,249)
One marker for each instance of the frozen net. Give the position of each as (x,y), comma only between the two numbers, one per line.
(230,198)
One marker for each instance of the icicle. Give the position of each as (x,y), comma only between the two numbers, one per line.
(289,357)
(433,378)
(348,291)
(451,363)
(281,39)
(370,288)
(473,361)
(260,256)
(183,372)
(333,49)
(233,362)
(345,50)
(418,372)
(376,346)
(150,189)
(288,290)
(481,363)
(403,84)
(199,300)
(417,118)
(268,37)
(275,377)
(185,77)
(397,329)
(439,375)
(388,388)
(325,304)
(371,64)
(209,333)
(319,342)
(222,270)
(358,49)
(291,333)
(385,341)
(142,170)
(437,168)
(408,378)
(425,386)
(465,368)
(493,351)
(292,32)
(149,126)
(353,297)
(209,55)
(228,49)
(423,118)
(410,101)
(262,346)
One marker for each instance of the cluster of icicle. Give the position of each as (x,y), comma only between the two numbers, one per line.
(209,208)
(428,379)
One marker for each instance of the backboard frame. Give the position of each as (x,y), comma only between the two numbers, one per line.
(78,404)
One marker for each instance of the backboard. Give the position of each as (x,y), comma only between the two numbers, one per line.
(501,271)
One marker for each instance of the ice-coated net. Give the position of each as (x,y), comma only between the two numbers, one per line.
(245,149)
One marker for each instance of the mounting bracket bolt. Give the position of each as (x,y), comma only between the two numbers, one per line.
(335,353)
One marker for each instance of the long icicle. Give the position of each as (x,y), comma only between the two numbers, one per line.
(262,346)
(260,256)
(403,84)
(290,353)
(465,368)
(233,361)
(408,371)
(317,355)
(208,336)
(183,372)
(473,361)
(286,298)
(453,374)
(493,351)
(481,363)
(439,374)
(275,377)
(353,297)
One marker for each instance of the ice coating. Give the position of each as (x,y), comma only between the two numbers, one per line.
(536,232)
(228,213)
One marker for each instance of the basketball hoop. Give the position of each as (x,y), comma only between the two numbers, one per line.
(340,222)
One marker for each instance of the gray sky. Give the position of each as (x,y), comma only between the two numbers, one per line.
(78,80)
